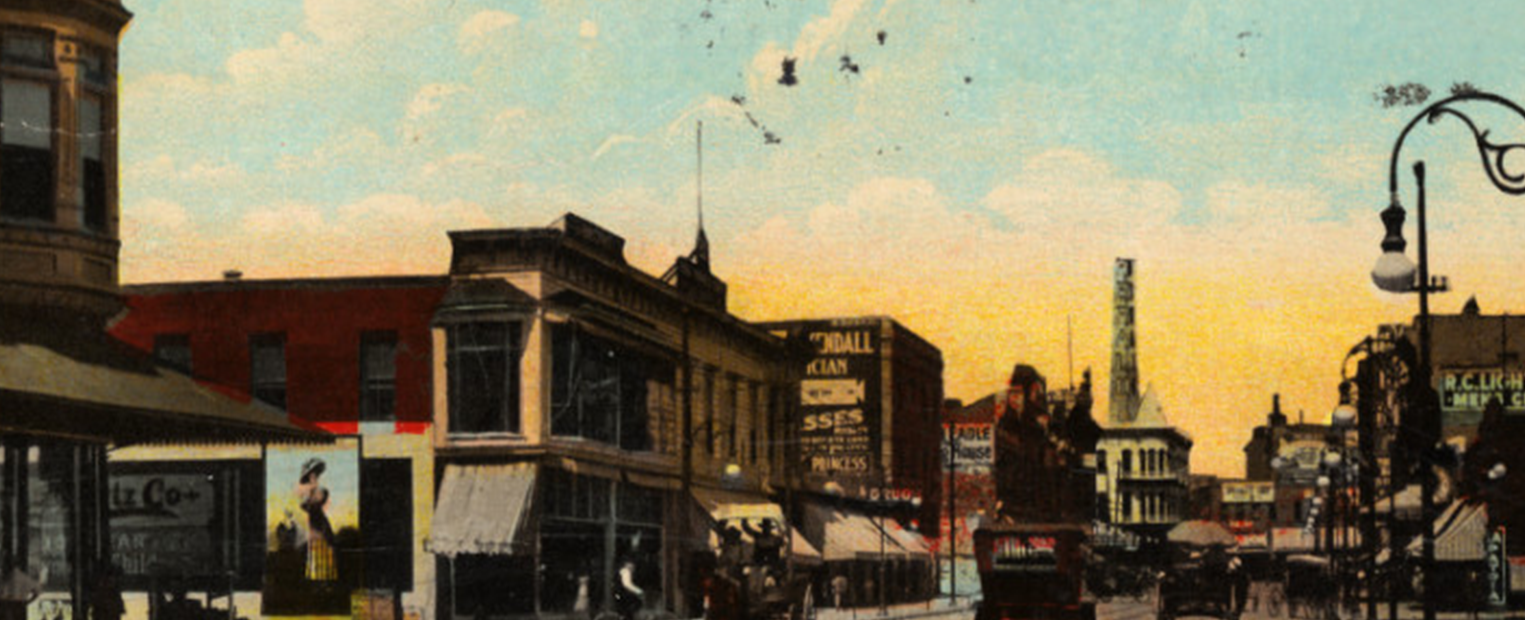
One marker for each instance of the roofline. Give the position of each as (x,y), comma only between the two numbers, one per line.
(342,282)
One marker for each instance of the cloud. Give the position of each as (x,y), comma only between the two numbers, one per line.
(587,30)
(431,98)
(377,235)
(479,30)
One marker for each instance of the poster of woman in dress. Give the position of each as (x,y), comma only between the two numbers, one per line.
(313,521)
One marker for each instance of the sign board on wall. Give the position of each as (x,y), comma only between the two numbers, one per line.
(163,522)
(840,408)
(973,447)
(1249,492)
(1465,392)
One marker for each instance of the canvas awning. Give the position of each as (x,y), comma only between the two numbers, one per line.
(848,535)
(87,384)
(914,544)
(1460,534)
(481,509)
(726,505)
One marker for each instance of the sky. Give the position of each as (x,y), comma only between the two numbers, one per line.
(971,168)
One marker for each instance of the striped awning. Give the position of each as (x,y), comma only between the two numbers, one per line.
(1460,533)
(848,535)
(911,541)
(481,509)
(727,505)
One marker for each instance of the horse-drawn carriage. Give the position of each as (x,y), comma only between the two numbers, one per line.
(761,585)
(1203,579)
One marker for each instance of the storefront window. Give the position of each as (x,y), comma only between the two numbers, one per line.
(50,491)
(577,563)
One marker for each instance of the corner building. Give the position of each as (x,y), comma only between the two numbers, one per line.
(69,392)
(588,413)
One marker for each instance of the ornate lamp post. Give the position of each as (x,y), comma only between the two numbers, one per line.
(1394,272)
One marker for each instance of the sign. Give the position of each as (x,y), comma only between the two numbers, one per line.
(1302,458)
(973,447)
(163,522)
(1498,569)
(840,408)
(1465,392)
(1249,492)
(1026,554)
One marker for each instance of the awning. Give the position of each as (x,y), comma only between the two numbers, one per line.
(1407,502)
(914,544)
(1460,534)
(85,383)
(849,535)
(727,505)
(481,509)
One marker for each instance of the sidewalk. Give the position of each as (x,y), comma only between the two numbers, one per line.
(935,608)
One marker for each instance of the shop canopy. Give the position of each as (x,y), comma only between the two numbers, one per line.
(848,535)
(85,384)
(1461,532)
(911,541)
(729,506)
(482,509)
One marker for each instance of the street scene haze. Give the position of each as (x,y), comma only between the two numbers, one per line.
(760,309)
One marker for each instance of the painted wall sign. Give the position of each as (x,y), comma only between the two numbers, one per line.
(840,409)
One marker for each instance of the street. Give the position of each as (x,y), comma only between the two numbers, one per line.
(1122,609)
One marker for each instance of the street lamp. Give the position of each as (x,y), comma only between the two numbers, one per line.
(1395,273)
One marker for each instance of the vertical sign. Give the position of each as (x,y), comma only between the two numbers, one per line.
(839,398)
(1498,569)
(1123,402)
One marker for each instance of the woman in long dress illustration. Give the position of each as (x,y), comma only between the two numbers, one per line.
(320,533)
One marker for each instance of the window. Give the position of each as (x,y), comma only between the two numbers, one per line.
(92,170)
(267,368)
(600,389)
(1127,463)
(1101,461)
(26,126)
(483,371)
(173,351)
(378,376)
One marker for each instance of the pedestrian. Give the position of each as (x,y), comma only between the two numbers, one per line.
(839,589)
(767,544)
(627,595)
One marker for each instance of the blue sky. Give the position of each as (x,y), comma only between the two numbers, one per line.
(974,176)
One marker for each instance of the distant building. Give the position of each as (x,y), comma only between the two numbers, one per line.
(868,437)
(970,432)
(1143,468)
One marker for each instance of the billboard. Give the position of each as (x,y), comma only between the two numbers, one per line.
(840,408)
(1465,392)
(973,447)
(312,503)
(1249,492)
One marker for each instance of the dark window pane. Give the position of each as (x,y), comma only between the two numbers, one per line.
(24,48)
(174,351)
(378,376)
(26,159)
(267,368)
(484,377)
(386,515)
(92,179)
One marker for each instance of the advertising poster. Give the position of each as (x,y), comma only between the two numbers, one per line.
(312,499)
(839,400)
(1465,392)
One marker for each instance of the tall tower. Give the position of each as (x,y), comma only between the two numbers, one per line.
(1123,399)
(59,232)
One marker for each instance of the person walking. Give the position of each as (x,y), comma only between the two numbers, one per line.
(627,595)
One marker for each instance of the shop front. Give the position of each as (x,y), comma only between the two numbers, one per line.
(528,539)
